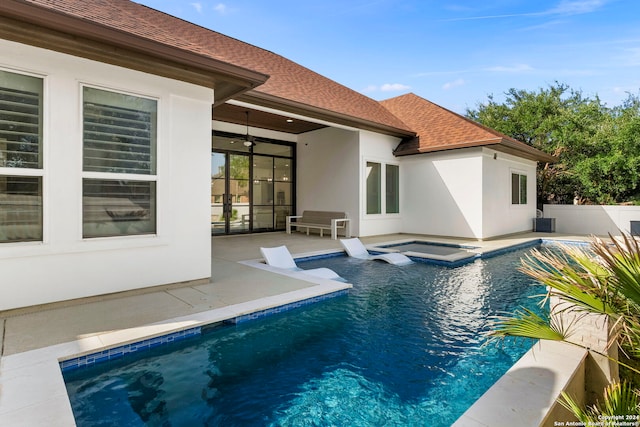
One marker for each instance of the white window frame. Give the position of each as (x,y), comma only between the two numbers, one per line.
(380,199)
(520,175)
(397,195)
(119,176)
(382,186)
(33,172)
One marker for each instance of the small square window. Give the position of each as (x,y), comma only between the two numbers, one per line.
(518,189)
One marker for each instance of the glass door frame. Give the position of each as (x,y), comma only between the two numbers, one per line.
(249,152)
(227,197)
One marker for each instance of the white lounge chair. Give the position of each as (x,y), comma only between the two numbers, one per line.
(356,249)
(280,257)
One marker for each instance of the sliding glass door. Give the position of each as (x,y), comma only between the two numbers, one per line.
(252,188)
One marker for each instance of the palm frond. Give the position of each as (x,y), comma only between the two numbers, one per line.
(528,324)
(623,260)
(574,276)
(575,408)
(619,399)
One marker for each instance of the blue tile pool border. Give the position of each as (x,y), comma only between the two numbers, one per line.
(147,344)
(512,248)
(123,350)
(286,307)
(451,264)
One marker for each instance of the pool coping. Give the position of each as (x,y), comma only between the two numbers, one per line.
(532,386)
(32,387)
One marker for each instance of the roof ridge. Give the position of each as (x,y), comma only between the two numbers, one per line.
(468,120)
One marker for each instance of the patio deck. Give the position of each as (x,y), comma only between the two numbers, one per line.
(31,338)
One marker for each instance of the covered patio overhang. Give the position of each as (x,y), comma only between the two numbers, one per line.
(323,142)
(253,132)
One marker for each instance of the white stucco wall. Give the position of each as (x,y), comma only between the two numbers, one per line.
(327,172)
(465,193)
(378,148)
(500,217)
(443,193)
(66,266)
(599,220)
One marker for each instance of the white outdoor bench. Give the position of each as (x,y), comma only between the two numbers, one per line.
(322,220)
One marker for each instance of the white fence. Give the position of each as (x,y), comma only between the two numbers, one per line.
(592,219)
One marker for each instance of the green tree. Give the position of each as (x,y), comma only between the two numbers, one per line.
(610,174)
(598,148)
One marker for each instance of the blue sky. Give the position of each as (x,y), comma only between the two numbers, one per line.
(454,53)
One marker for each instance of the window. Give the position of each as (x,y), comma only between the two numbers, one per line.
(518,189)
(392,189)
(376,175)
(374,205)
(20,157)
(119,164)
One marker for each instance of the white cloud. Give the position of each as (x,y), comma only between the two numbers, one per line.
(197,7)
(568,7)
(221,8)
(519,68)
(387,87)
(394,87)
(565,7)
(455,83)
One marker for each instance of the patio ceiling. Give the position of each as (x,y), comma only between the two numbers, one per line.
(236,114)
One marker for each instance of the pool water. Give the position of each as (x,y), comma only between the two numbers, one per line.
(405,347)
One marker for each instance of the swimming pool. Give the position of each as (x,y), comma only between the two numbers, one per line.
(405,347)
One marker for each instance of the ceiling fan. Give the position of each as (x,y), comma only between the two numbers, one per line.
(249,140)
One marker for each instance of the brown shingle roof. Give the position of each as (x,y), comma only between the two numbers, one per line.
(439,129)
(289,84)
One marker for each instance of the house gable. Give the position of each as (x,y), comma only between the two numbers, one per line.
(439,129)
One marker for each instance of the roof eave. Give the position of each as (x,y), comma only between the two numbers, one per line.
(523,150)
(227,79)
(499,144)
(434,149)
(266,100)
